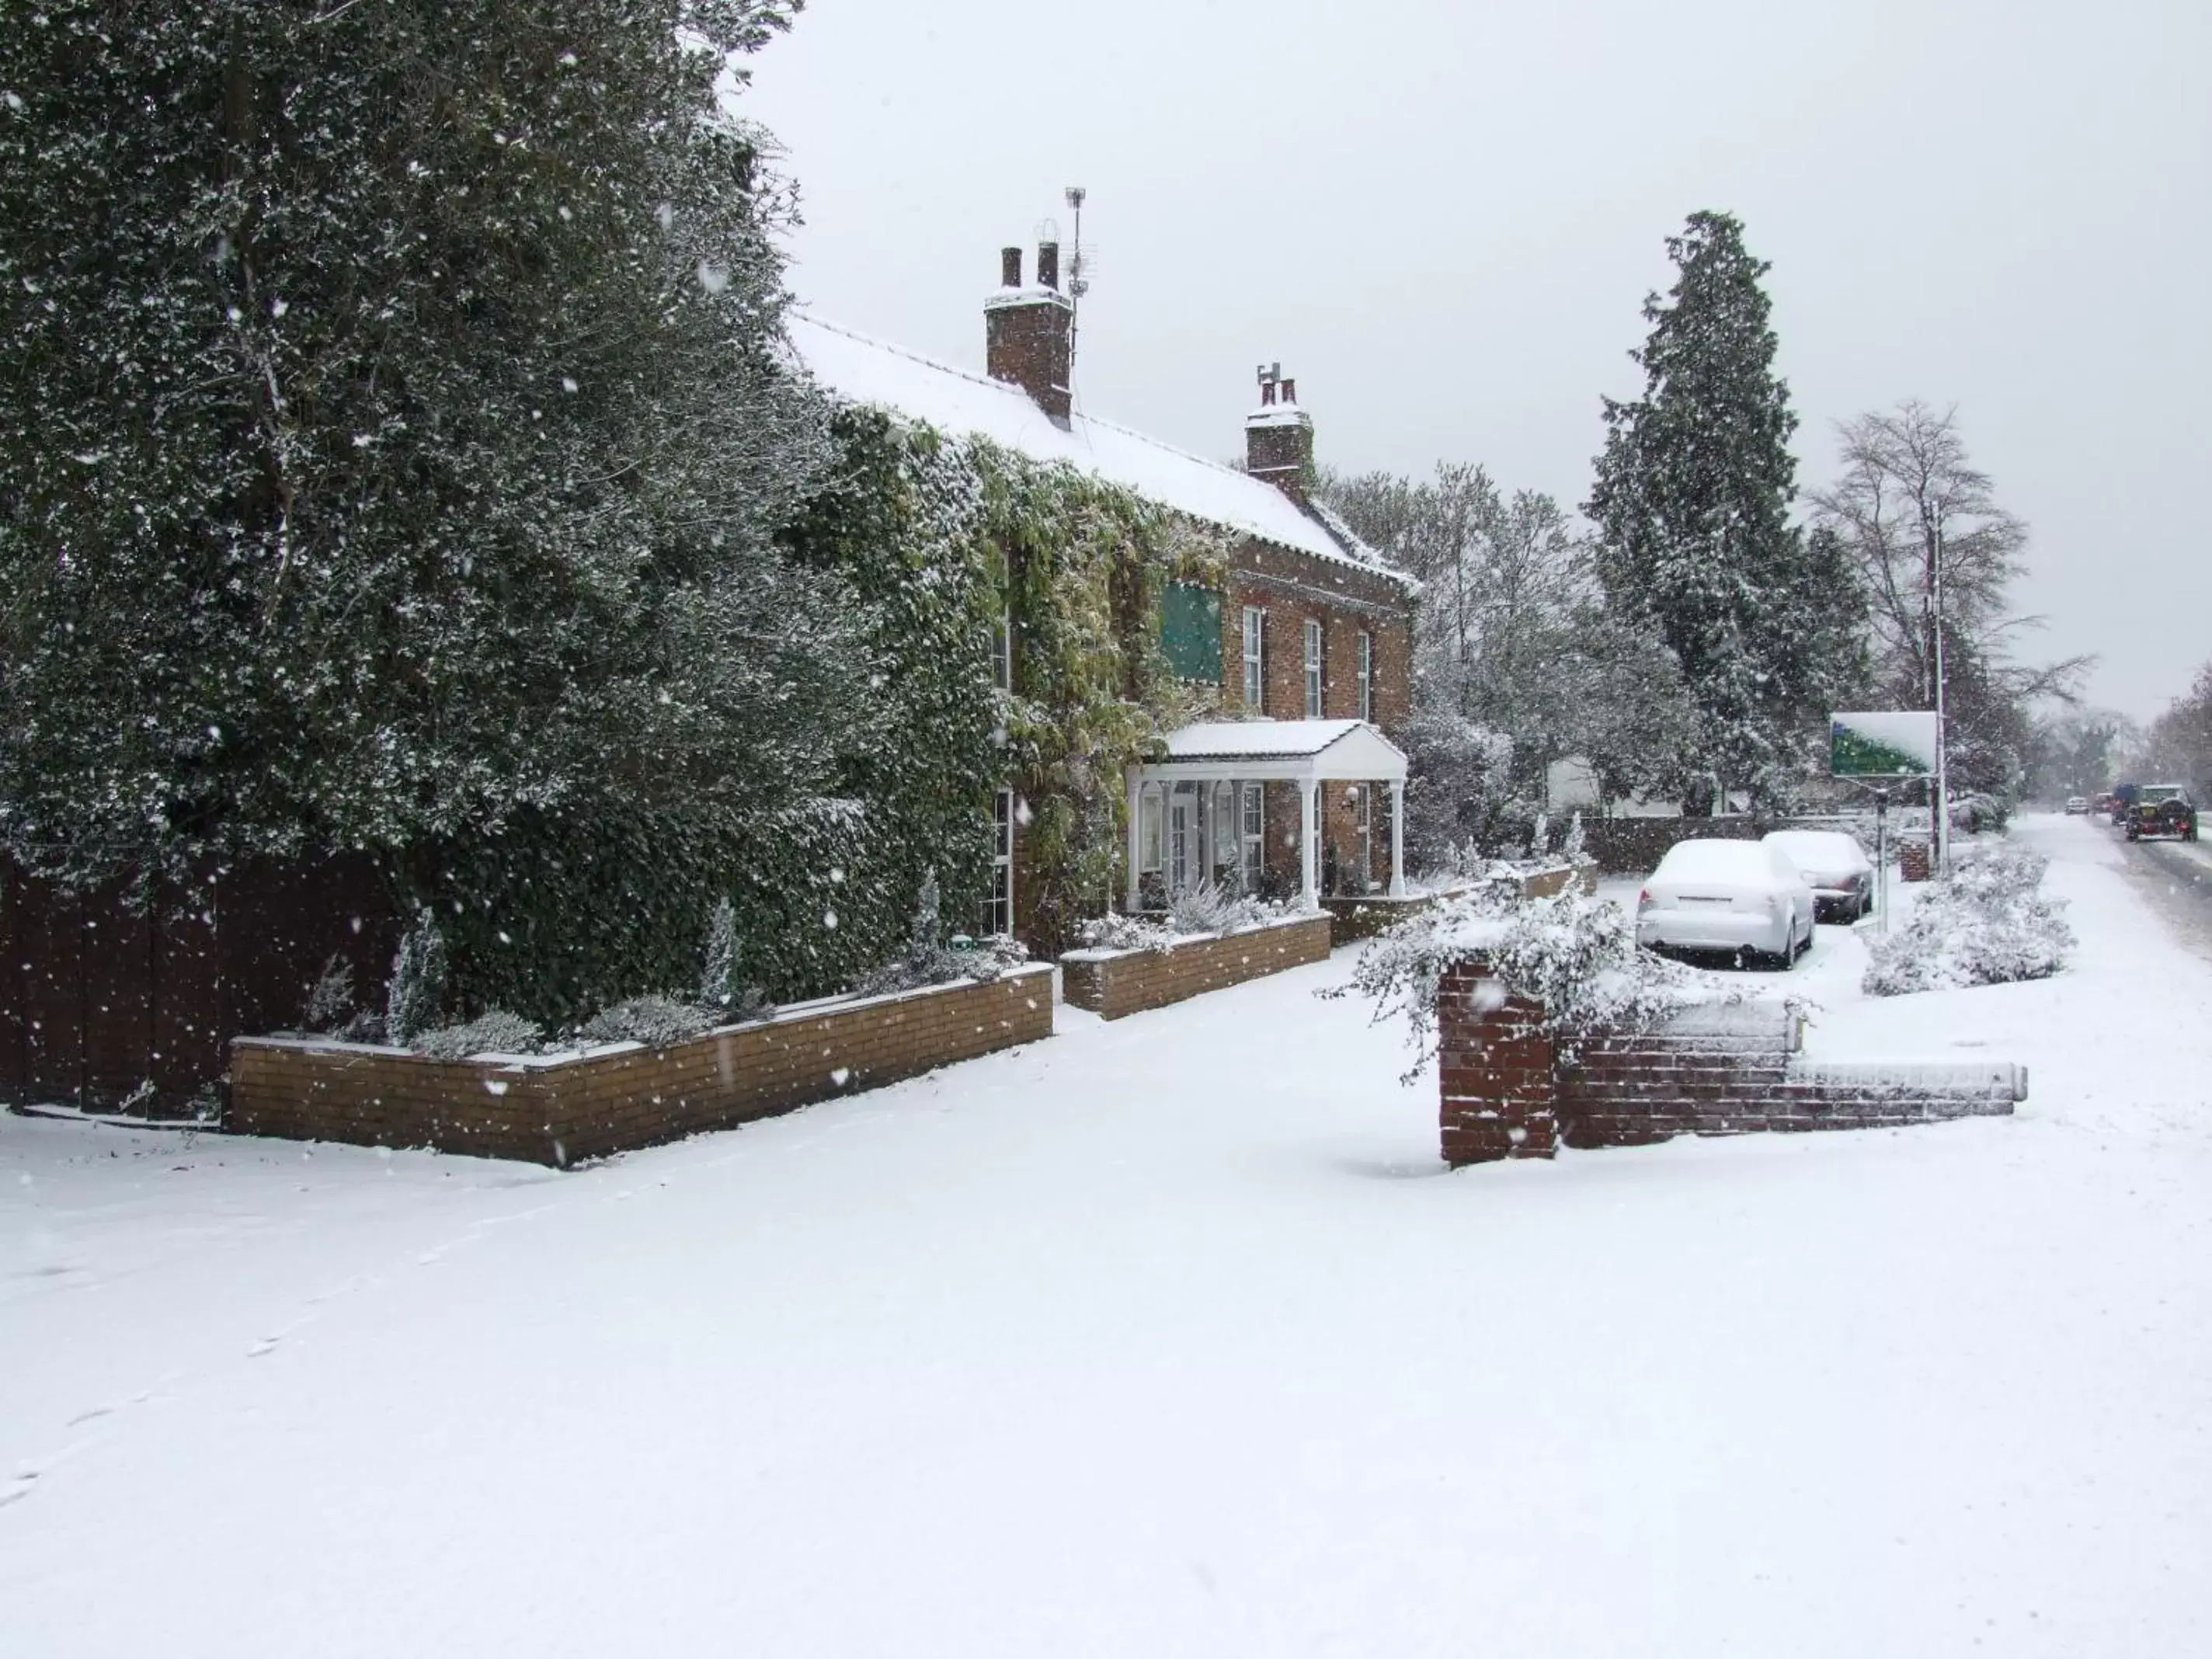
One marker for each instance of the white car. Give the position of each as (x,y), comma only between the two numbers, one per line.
(1742,897)
(1834,866)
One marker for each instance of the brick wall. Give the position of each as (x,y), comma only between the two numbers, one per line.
(1114,983)
(1505,1091)
(561,1111)
(1496,1066)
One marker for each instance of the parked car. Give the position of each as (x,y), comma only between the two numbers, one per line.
(1745,897)
(2077,804)
(2162,809)
(1834,866)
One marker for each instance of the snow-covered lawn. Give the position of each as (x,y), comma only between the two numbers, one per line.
(1166,1337)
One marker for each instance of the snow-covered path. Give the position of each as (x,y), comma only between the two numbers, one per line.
(1168,1337)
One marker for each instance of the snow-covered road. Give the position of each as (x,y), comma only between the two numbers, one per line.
(1168,1337)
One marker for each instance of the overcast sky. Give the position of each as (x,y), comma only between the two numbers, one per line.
(1443,215)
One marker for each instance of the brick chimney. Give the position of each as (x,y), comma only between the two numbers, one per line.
(1278,443)
(1028,331)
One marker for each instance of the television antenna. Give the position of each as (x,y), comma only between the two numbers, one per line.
(1081,258)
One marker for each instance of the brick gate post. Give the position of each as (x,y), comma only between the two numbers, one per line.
(1498,1071)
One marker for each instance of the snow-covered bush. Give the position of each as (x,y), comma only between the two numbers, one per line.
(1576,848)
(657,1021)
(330,1004)
(1116,932)
(1576,955)
(417,990)
(1207,908)
(496,1032)
(1988,922)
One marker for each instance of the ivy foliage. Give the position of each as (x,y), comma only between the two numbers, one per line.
(1087,564)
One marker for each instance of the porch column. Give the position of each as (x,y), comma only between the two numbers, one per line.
(1398,839)
(1309,859)
(1134,848)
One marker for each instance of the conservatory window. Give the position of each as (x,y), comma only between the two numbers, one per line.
(1149,829)
(1253,830)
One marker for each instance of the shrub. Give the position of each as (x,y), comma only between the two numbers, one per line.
(1576,955)
(1208,909)
(1116,932)
(1985,923)
(417,990)
(496,1032)
(657,1021)
(329,1005)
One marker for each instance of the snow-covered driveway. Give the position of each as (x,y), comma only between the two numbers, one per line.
(1164,1337)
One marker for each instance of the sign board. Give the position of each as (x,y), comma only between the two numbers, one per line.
(1900,744)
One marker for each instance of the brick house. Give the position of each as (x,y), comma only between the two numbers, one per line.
(1308,641)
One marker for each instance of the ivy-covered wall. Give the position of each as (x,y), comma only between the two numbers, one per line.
(1087,566)
(933,539)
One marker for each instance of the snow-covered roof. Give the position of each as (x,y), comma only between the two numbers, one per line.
(1317,749)
(863,371)
(1236,739)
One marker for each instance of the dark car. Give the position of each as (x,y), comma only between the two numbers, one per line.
(2162,809)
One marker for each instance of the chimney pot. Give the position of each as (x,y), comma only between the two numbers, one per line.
(1048,265)
(1290,391)
(1010,267)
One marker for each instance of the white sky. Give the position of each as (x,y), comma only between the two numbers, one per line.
(1442,216)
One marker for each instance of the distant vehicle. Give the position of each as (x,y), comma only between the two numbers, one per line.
(1834,866)
(2077,804)
(2162,809)
(1742,897)
(2101,803)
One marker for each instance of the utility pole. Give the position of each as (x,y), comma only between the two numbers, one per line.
(1933,522)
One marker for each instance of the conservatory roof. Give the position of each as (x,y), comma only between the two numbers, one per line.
(1352,750)
(867,372)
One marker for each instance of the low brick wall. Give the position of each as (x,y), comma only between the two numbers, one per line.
(561,1110)
(1112,983)
(1354,919)
(1505,1091)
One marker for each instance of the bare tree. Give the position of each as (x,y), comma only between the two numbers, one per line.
(1906,478)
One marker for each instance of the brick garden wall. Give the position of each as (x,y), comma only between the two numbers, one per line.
(1114,983)
(561,1111)
(1505,1091)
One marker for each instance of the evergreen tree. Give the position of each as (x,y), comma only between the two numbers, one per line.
(1692,505)
(397,430)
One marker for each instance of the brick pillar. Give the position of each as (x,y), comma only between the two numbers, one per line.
(1498,1071)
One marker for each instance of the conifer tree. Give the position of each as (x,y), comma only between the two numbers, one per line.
(1691,504)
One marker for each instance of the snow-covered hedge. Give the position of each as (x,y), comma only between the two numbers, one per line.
(1986,923)
(1574,954)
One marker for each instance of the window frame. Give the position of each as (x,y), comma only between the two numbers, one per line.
(1251,834)
(1366,674)
(997,916)
(1317,647)
(1255,658)
(1152,829)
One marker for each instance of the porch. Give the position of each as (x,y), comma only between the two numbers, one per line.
(1233,801)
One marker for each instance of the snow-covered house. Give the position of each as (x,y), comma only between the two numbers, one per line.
(1308,638)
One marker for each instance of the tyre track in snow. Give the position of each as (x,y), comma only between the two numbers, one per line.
(2176,877)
